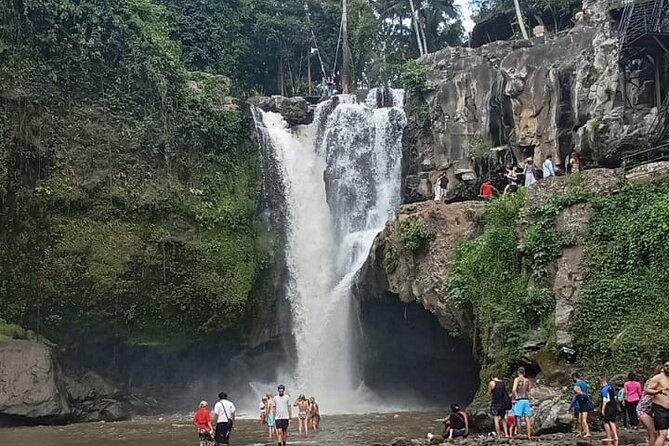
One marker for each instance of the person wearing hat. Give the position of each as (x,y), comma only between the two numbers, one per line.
(458,423)
(202,423)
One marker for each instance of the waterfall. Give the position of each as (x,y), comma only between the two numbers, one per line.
(341,178)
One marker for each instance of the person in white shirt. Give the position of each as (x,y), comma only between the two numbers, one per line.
(225,418)
(282,414)
(547,167)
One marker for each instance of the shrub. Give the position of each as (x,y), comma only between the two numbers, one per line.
(415,234)
(413,77)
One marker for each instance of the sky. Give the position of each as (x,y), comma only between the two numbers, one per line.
(466,14)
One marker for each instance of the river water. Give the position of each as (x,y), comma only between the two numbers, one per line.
(177,430)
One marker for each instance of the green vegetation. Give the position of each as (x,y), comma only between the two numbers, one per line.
(128,194)
(556,15)
(619,323)
(415,234)
(479,147)
(543,243)
(487,277)
(413,77)
(389,259)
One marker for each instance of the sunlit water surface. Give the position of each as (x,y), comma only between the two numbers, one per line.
(335,430)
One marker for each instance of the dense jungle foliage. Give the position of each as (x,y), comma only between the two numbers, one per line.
(128,191)
(617,325)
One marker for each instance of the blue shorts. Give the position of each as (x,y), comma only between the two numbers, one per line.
(522,408)
(270,420)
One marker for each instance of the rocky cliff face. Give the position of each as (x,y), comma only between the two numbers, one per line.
(395,272)
(551,95)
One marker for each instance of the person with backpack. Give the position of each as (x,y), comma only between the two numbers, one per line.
(499,404)
(225,417)
(609,411)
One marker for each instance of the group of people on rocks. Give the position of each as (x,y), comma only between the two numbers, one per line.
(647,405)
(529,173)
(275,413)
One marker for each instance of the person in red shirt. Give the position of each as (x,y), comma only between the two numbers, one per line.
(486,190)
(202,422)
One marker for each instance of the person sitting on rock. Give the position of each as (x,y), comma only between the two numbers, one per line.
(458,423)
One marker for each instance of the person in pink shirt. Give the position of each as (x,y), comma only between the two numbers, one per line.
(633,392)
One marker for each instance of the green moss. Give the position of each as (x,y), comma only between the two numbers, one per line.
(619,322)
(128,194)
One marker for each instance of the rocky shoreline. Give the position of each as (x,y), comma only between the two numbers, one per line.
(627,437)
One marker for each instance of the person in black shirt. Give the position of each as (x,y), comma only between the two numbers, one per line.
(499,404)
(457,424)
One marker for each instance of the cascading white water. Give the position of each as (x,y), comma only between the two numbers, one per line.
(341,180)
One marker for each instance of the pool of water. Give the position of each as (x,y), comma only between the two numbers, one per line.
(177,430)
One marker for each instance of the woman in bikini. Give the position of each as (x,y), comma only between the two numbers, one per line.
(271,428)
(303,409)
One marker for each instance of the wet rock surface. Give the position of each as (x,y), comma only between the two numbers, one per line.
(626,437)
(294,110)
(30,388)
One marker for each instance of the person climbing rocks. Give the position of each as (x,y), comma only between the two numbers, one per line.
(609,411)
(486,190)
(499,404)
(512,178)
(547,168)
(202,422)
(225,418)
(458,423)
(528,171)
(302,413)
(633,391)
(282,414)
(658,388)
(582,405)
(314,414)
(521,398)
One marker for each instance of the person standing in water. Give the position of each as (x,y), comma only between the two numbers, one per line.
(314,414)
(202,422)
(302,414)
(271,427)
(521,396)
(658,388)
(282,414)
(225,418)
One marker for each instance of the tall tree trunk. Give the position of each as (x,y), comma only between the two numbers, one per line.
(347,63)
(422,29)
(521,22)
(279,77)
(416,28)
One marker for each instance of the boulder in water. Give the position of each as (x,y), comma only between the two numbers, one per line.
(29,385)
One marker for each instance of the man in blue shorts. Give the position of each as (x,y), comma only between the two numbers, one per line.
(521,397)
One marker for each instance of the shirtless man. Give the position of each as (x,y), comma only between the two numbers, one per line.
(302,413)
(658,388)
(521,397)
(271,427)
